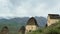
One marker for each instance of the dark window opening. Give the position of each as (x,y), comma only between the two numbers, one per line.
(29,30)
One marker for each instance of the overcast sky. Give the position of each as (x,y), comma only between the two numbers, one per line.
(22,8)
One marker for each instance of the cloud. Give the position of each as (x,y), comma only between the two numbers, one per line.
(21,8)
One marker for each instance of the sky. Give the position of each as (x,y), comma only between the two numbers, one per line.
(23,8)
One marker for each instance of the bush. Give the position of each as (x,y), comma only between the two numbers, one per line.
(52,31)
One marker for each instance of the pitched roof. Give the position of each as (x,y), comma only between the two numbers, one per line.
(32,21)
(5,28)
(54,16)
(22,29)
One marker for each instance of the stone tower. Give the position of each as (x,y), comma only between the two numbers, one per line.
(31,25)
(52,18)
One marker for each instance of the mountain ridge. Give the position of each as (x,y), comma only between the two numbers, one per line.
(40,20)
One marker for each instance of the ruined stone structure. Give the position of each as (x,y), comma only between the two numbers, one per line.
(31,25)
(5,30)
(22,30)
(52,18)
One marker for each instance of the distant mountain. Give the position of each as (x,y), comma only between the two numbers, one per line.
(22,21)
(41,21)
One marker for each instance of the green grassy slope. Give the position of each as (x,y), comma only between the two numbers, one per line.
(13,27)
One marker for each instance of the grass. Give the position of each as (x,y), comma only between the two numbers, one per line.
(14,28)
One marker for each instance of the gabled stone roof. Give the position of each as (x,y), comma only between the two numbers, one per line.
(54,16)
(22,29)
(32,21)
(4,28)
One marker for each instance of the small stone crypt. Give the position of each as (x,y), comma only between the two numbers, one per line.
(31,25)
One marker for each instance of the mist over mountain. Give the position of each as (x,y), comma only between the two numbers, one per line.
(22,21)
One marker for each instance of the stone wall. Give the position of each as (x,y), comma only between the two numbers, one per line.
(51,21)
(30,28)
